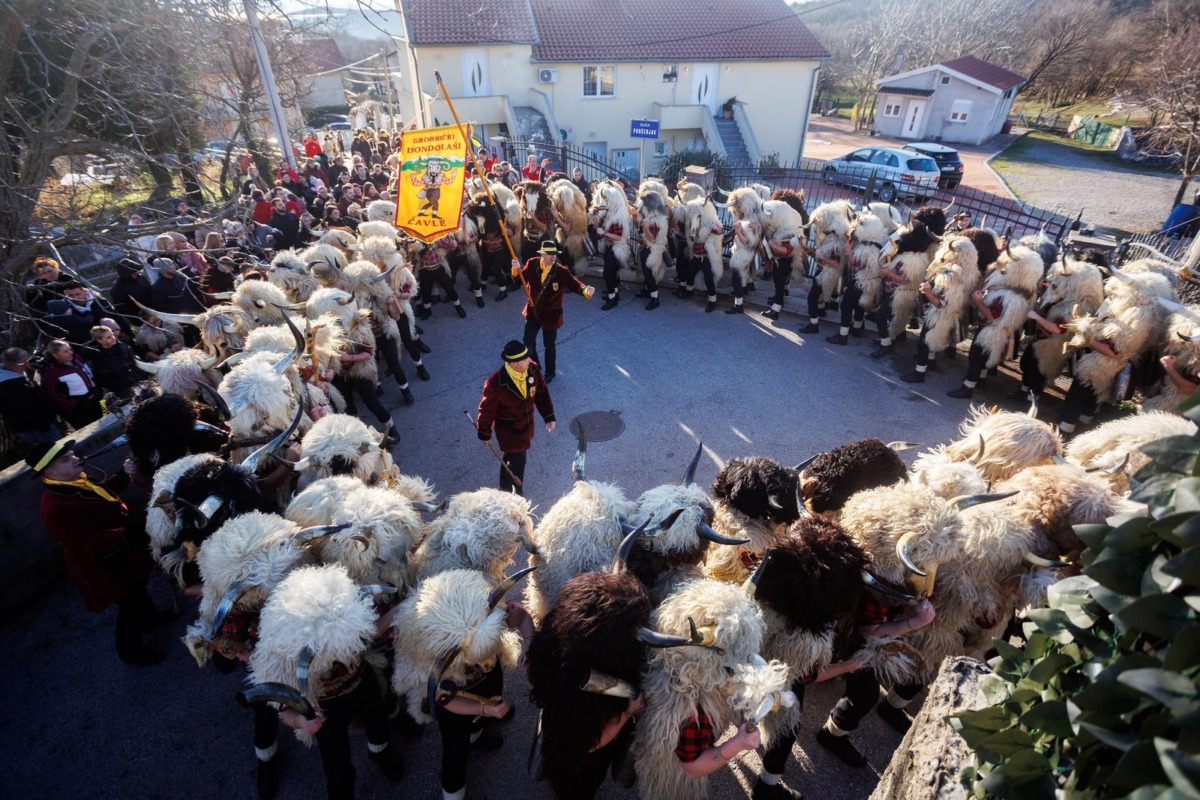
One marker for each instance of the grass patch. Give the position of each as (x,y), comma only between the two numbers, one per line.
(1088,108)
(1042,148)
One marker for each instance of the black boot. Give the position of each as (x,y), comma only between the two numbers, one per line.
(490,739)
(683,292)
(458,309)
(389,763)
(710,306)
(837,339)
(422,373)
(503,294)
(611,303)
(644,294)
(479,301)
(913,377)
(882,350)
(653,304)
(896,717)
(735,310)
(267,779)
(857,332)
(408,396)
(963,392)
(779,791)
(811,327)
(842,747)
(424,348)
(771,313)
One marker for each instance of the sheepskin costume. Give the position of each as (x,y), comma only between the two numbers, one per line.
(609,208)
(953,275)
(260,300)
(245,559)
(1051,501)
(580,533)
(830,224)
(289,271)
(868,235)
(727,686)
(468,239)
(371,292)
(1181,340)
(936,471)
(783,220)
(908,252)
(339,444)
(479,530)
(211,493)
(932,217)
(593,626)
(675,554)
(1072,288)
(1011,441)
(987,250)
(449,610)
(179,372)
(322,609)
(341,238)
(755,499)
(1014,284)
(154,339)
(328,253)
(1113,442)
(571,204)
(384,526)
(319,501)
(161,430)
(160,515)
(262,401)
(747,209)
(701,241)
(381,211)
(652,214)
(832,478)
(223,329)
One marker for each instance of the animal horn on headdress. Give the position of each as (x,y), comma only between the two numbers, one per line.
(752,582)
(1125,276)
(708,533)
(1008,241)
(577,470)
(967,500)
(597,682)
(800,467)
(1033,406)
(429,508)
(689,476)
(652,638)
(317,531)
(254,459)
(147,366)
(383,276)
(900,447)
(228,600)
(213,398)
(904,548)
(435,677)
(378,588)
(1036,560)
(282,364)
(883,588)
(946,210)
(497,594)
(276,693)
(183,319)
(622,556)
(1113,470)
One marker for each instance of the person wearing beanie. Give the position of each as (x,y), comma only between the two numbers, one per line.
(509,397)
(131,284)
(548,281)
(107,560)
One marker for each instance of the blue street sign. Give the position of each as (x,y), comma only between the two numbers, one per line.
(643,128)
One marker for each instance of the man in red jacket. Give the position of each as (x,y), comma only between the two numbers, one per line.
(107,566)
(509,396)
(548,281)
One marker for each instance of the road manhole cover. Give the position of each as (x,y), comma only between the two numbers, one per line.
(599,426)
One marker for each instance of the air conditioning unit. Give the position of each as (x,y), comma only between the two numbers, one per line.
(547,75)
(566,134)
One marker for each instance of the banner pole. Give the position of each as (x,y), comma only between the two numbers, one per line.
(437,76)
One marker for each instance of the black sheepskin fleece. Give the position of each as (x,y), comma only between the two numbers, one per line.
(747,484)
(833,477)
(593,625)
(915,239)
(813,576)
(235,485)
(932,217)
(480,207)
(985,246)
(1092,255)
(160,431)
(794,199)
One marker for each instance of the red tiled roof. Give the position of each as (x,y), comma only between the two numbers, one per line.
(985,72)
(444,22)
(671,30)
(322,55)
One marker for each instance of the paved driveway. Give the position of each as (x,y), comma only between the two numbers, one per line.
(76,721)
(830,137)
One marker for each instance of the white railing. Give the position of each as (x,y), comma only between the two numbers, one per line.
(744,128)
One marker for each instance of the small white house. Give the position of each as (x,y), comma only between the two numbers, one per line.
(964,100)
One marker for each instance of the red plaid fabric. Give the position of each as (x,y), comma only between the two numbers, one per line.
(238,626)
(695,736)
(873,613)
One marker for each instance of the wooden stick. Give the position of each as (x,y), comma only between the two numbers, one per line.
(516,481)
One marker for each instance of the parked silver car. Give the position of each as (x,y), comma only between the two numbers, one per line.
(895,173)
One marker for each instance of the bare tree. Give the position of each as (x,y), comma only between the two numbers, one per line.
(1173,95)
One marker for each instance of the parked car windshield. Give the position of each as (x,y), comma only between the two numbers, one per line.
(922,165)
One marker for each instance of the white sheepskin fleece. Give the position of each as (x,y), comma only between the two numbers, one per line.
(661,501)
(1107,445)
(318,502)
(934,470)
(479,530)
(337,302)
(179,372)
(723,563)
(316,607)
(390,526)
(259,399)
(1012,442)
(580,533)
(259,300)
(377,227)
(381,211)
(341,435)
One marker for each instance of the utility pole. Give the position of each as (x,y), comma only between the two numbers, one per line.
(387,75)
(267,76)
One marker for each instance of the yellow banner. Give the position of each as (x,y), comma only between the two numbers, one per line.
(432,171)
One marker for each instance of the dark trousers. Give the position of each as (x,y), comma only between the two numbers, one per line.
(612,269)
(438,276)
(266,726)
(816,309)
(739,288)
(588,773)
(498,266)
(1081,401)
(516,463)
(776,757)
(365,390)
(700,263)
(406,339)
(883,314)
(1031,372)
(391,356)
(976,362)
(647,274)
(460,263)
(685,270)
(850,307)
(456,730)
(134,614)
(333,740)
(87,410)
(779,277)
(529,249)
(923,354)
(859,697)
(549,337)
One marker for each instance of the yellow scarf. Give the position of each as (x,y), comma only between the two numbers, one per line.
(518,378)
(82,482)
(546,270)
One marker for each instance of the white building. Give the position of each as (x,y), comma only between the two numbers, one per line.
(581,71)
(964,100)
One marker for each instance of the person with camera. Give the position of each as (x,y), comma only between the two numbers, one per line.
(534,171)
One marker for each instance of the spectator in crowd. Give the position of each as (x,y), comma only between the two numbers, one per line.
(337,171)
(107,558)
(486,160)
(132,284)
(174,292)
(260,237)
(25,412)
(220,278)
(534,171)
(360,176)
(46,285)
(157,338)
(361,147)
(323,198)
(261,212)
(111,361)
(90,308)
(67,380)
(333,218)
(60,322)
(351,194)
(380,176)
(312,148)
(287,223)
(144,244)
(370,193)
(585,187)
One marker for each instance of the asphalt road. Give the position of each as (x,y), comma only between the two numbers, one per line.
(76,721)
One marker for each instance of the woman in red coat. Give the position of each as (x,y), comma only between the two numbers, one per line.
(509,397)
(89,521)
